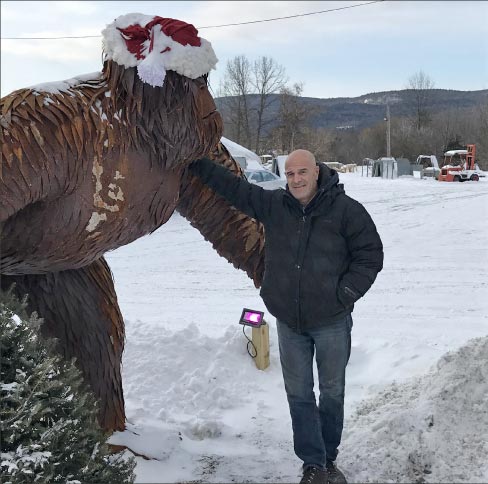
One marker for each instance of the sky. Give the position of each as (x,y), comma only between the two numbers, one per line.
(202,412)
(345,53)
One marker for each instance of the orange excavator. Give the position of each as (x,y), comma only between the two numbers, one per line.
(459,165)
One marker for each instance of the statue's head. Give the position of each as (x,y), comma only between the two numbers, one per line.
(157,70)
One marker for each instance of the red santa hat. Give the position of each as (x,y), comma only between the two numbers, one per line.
(157,44)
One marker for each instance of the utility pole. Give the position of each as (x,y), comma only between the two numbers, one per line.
(388,131)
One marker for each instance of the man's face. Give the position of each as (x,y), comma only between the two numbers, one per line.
(302,174)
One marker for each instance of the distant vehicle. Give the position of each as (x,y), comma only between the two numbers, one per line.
(341,167)
(430,165)
(265,179)
(335,165)
(266,160)
(278,166)
(459,165)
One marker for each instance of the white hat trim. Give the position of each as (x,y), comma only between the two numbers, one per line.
(187,60)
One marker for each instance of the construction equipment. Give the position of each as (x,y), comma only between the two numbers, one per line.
(459,165)
(429,164)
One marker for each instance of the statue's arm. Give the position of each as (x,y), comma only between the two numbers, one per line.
(234,235)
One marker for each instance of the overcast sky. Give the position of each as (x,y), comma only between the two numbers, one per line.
(344,53)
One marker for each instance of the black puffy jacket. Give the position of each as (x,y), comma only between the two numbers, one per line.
(319,259)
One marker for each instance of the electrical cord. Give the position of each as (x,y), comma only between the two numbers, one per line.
(250,344)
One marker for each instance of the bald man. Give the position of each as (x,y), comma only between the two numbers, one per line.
(322,253)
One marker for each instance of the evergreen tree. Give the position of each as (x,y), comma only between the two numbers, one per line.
(49,430)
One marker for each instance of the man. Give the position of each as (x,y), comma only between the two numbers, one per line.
(322,253)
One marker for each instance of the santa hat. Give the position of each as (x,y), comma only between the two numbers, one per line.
(155,45)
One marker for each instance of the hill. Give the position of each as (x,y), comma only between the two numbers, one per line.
(368,109)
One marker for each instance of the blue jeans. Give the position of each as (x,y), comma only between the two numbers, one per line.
(317,431)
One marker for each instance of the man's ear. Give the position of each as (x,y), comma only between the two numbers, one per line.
(317,172)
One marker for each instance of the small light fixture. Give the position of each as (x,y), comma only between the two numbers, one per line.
(250,317)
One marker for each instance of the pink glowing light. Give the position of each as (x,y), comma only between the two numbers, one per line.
(251,318)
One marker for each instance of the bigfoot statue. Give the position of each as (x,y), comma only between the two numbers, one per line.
(93,163)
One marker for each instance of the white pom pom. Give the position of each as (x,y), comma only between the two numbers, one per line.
(151,73)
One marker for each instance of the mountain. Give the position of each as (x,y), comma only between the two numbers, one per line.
(368,109)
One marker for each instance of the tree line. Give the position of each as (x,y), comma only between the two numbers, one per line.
(269,128)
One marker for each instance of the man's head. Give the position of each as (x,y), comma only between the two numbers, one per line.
(302,174)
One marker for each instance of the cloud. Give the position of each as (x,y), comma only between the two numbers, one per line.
(23,18)
(79,8)
(72,50)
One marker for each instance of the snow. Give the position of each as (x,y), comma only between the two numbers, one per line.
(16,319)
(57,87)
(11,459)
(424,423)
(236,150)
(455,152)
(160,52)
(417,382)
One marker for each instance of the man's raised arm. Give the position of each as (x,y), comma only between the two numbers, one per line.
(250,199)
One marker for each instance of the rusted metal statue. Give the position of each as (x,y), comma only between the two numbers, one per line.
(93,163)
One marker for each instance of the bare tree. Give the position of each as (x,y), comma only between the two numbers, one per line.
(320,142)
(372,141)
(236,88)
(268,79)
(444,126)
(482,135)
(293,116)
(420,83)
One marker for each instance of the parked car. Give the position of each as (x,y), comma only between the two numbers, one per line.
(265,179)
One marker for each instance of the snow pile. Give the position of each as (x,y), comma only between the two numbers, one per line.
(235,149)
(199,408)
(202,375)
(429,429)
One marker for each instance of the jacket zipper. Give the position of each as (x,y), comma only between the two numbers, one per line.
(301,252)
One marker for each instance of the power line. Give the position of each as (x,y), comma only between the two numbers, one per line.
(208,26)
(290,16)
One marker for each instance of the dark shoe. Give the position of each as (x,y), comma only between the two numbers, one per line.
(314,475)
(334,475)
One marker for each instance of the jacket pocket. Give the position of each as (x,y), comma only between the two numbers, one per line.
(347,295)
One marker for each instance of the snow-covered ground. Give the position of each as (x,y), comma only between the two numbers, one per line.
(417,381)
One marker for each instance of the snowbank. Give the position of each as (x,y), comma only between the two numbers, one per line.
(429,429)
